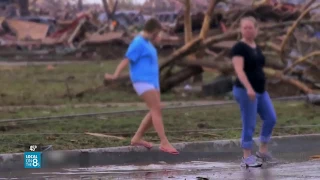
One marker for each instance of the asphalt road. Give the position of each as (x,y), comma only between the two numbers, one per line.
(190,170)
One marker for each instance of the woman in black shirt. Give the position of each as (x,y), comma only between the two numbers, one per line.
(249,91)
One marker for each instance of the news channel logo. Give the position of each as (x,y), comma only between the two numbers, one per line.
(32,159)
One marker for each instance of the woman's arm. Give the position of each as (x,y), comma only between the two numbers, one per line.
(120,67)
(118,70)
(238,64)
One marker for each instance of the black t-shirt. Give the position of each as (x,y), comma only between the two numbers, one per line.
(254,62)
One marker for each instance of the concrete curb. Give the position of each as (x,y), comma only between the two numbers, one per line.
(190,151)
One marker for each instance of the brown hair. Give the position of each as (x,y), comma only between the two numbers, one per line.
(251,19)
(152,25)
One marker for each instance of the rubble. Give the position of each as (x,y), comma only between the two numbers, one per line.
(287,37)
(200,42)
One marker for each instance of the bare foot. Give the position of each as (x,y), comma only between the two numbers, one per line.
(141,143)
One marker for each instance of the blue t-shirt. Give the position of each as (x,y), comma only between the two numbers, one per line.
(143,60)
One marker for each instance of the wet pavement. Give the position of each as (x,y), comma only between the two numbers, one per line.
(293,164)
(190,170)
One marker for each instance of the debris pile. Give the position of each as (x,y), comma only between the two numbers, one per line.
(197,37)
(58,29)
(288,35)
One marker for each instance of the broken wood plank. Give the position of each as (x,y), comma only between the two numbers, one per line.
(105,37)
(75,32)
(208,134)
(105,136)
(28,30)
(315,157)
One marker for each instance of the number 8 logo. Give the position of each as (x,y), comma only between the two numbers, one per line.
(35,162)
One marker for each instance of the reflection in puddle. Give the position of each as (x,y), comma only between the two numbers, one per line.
(192,170)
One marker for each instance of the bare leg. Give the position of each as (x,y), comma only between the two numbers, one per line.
(144,126)
(152,99)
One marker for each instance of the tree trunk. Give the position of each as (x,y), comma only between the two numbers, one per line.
(177,78)
(111,5)
(291,30)
(188,34)
(187,22)
(185,50)
(24,7)
(106,8)
(207,19)
(80,5)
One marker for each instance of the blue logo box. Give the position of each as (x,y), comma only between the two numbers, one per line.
(32,160)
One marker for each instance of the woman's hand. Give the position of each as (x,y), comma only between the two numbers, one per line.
(251,94)
(110,77)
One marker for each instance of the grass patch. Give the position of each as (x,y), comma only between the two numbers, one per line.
(28,85)
(176,121)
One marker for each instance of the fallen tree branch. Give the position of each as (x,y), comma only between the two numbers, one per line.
(287,23)
(185,50)
(271,45)
(307,5)
(227,68)
(180,76)
(214,39)
(207,18)
(223,67)
(300,60)
(278,74)
(291,29)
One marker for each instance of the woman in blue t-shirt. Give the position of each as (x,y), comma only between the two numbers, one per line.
(249,91)
(142,58)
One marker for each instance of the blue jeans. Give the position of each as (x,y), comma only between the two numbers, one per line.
(249,109)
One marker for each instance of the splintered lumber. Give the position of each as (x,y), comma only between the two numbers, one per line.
(75,32)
